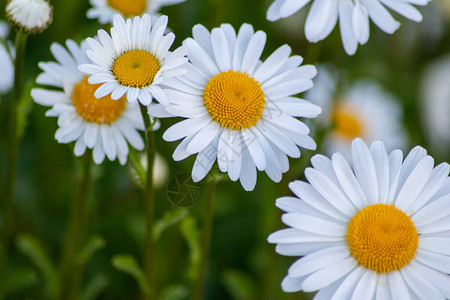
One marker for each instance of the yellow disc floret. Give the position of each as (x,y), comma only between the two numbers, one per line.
(91,109)
(129,8)
(347,122)
(136,68)
(382,238)
(234,99)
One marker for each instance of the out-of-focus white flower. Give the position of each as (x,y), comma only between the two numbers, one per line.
(6,60)
(239,110)
(373,228)
(30,16)
(160,170)
(105,10)
(363,110)
(353,17)
(6,70)
(4,29)
(435,103)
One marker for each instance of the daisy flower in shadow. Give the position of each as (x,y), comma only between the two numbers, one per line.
(104,125)
(373,228)
(238,109)
(135,60)
(353,17)
(104,10)
(363,109)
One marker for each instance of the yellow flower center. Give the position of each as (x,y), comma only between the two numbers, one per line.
(382,238)
(234,99)
(91,109)
(129,8)
(347,122)
(136,68)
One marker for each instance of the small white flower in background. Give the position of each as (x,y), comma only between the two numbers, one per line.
(435,96)
(6,60)
(104,10)
(7,70)
(104,125)
(30,16)
(160,170)
(238,109)
(353,17)
(363,110)
(4,29)
(135,60)
(373,228)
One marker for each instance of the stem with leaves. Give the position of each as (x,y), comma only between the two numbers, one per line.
(71,266)
(13,141)
(149,202)
(206,239)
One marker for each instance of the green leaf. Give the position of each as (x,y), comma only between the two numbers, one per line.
(174,292)
(128,264)
(18,279)
(94,287)
(24,108)
(140,174)
(32,248)
(94,244)
(170,218)
(239,285)
(191,234)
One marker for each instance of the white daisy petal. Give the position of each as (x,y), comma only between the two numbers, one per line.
(329,274)
(415,183)
(346,26)
(317,261)
(397,286)
(420,285)
(440,280)
(365,170)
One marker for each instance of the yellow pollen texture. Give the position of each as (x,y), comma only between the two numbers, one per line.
(347,122)
(234,99)
(129,8)
(382,238)
(91,109)
(136,68)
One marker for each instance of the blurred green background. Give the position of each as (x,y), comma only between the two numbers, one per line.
(242,265)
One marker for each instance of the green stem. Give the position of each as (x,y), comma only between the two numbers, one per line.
(149,202)
(71,268)
(13,141)
(206,240)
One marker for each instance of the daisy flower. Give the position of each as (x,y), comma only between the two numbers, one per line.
(353,17)
(375,228)
(240,110)
(104,10)
(363,110)
(135,60)
(435,103)
(104,125)
(30,16)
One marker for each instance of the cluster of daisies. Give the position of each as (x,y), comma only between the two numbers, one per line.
(238,110)
(367,224)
